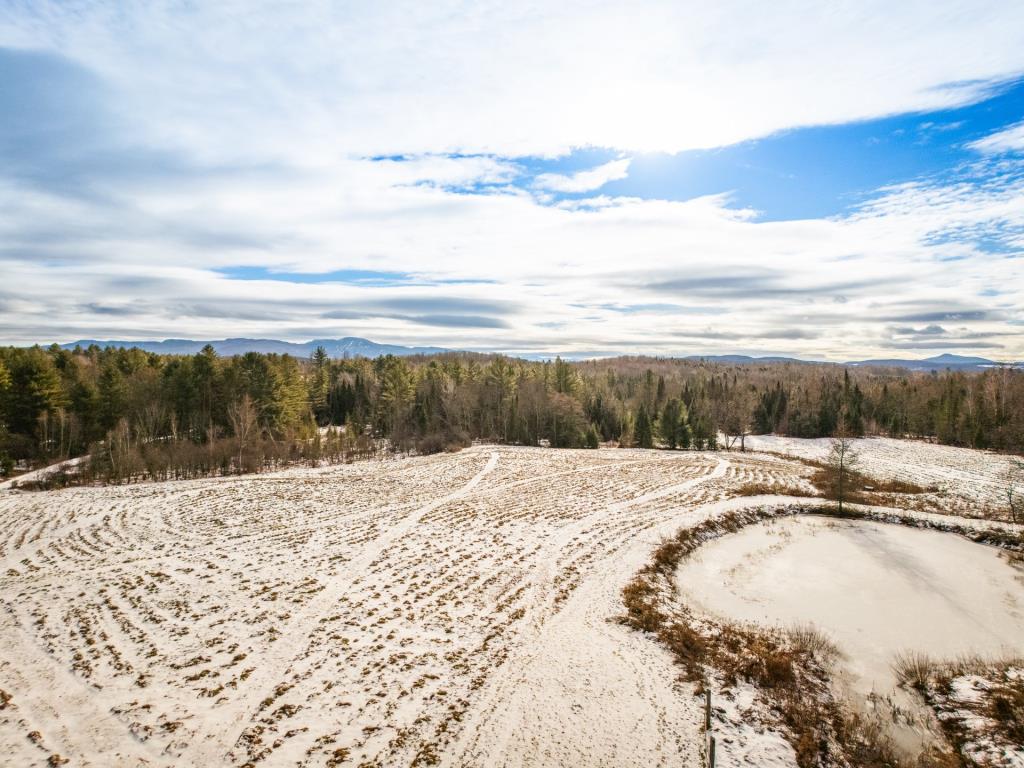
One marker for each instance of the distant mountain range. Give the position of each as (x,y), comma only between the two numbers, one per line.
(940,363)
(353,346)
(350,346)
(937,363)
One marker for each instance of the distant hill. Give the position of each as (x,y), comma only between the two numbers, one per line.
(747,359)
(353,346)
(938,363)
(350,346)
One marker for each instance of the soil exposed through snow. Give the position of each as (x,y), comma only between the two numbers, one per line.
(457,609)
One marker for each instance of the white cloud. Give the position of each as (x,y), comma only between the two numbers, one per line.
(584,181)
(1008,140)
(558,279)
(265,114)
(315,80)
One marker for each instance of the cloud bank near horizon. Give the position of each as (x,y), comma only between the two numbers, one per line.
(484,176)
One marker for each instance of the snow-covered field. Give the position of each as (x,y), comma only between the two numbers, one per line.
(69,466)
(970,483)
(452,610)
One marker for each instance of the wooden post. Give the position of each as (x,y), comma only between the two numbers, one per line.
(707,724)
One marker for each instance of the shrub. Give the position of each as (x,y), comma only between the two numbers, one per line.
(442,442)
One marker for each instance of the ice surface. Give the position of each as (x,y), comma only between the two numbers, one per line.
(877,589)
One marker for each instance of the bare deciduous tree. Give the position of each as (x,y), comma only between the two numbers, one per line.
(242,415)
(1015,490)
(842,460)
(150,421)
(119,447)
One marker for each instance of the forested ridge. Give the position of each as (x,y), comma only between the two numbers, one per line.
(144,414)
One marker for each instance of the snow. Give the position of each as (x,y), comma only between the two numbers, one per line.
(965,707)
(377,611)
(970,483)
(739,741)
(457,609)
(42,473)
(877,590)
(969,688)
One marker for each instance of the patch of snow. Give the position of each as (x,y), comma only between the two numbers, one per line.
(877,590)
(459,608)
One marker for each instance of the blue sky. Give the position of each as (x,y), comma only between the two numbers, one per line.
(827,182)
(809,172)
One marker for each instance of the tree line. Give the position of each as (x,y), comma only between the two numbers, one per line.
(140,413)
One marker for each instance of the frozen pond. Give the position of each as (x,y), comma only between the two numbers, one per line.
(876,589)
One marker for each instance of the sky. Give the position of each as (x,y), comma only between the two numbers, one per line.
(829,181)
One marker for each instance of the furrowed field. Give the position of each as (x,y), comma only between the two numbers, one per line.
(459,609)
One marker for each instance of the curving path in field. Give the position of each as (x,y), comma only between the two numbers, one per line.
(581,689)
(455,609)
(223,727)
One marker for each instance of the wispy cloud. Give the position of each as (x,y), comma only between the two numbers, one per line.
(1008,140)
(584,181)
(503,79)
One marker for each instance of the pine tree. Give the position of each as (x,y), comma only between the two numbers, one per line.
(674,424)
(34,388)
(319,384)
(644,428)
(668,424)
(5,388)
(396,396)
(566,379)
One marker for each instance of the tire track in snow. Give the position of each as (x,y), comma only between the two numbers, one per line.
(79,726)
(581,689)
(224,725)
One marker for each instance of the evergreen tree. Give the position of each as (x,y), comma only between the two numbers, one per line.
(5,391)
(59,401)
(34,388)
(396,396)
(674,424)
(566,379)
(319,384)
(668,423)
(644,428)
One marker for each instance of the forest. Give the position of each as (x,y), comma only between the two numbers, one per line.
(139,414)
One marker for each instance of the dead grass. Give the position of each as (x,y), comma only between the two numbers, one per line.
(773,489)
(791,668)
(864,489)
(859,487)
(809,639)
(898,486)
(914,669)
(641,599)
(1005,706)
(783,666)
(1000,701)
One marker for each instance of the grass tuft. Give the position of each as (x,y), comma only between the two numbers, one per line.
(914,668)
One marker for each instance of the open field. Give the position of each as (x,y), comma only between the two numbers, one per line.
(452,610)
(963,482)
